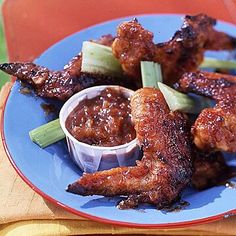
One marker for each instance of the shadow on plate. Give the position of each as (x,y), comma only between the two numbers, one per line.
(102,201)
(191,199)
(113,202)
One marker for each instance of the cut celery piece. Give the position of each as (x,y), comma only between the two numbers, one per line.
(47,134)
(99,59)
(217,64)
(151,74)
(183,102)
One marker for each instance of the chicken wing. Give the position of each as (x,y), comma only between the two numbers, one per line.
(166,167)
(132,45)
(220,87)
(215,128)
(61,84)
(183,53)
(210,169)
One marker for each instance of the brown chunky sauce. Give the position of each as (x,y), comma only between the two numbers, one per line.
(104,120)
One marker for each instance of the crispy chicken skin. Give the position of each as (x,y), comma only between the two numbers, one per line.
(210,169)
(64,83)
(132,45)
(213,85)
(166,167)
(215,128)
(183,53)
(52,84)
(60,84)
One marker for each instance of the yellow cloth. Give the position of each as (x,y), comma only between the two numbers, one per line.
(24,212)
(85,227)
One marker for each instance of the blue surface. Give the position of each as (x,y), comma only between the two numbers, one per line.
(50,169)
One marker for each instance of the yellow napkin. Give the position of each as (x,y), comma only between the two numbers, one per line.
(24,212)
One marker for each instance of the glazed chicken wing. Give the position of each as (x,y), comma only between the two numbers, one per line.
(52,84)
(132,45)
(60,84)
(183,53)
(166,167)
(220,87)
(215,128)
(210,169)
(64,83)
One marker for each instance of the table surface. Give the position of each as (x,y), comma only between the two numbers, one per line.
(30,28)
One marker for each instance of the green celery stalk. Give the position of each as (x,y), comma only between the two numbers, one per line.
(99,59)
(47,134)
(183,102)
(151,74)
(217,64)
(96,59)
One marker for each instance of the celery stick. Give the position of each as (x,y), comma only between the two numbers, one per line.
(182,102)
(98,58)
(151,74)
(47,134)
(217,64)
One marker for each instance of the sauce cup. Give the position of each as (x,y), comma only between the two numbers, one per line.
(95,158)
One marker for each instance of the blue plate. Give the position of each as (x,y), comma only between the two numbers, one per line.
(48,171)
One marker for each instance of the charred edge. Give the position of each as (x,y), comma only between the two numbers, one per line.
(11,68)
(193,78)
(5,66)
(15,67)
(129,203)
(187,77)
(201,18)
(76,188)
(224,83)
(177,86)
(233,41)
(89,79)
(186,34)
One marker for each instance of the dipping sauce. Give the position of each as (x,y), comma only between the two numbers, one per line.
(104,120)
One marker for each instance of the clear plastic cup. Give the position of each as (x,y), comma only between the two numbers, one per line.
(95,158)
